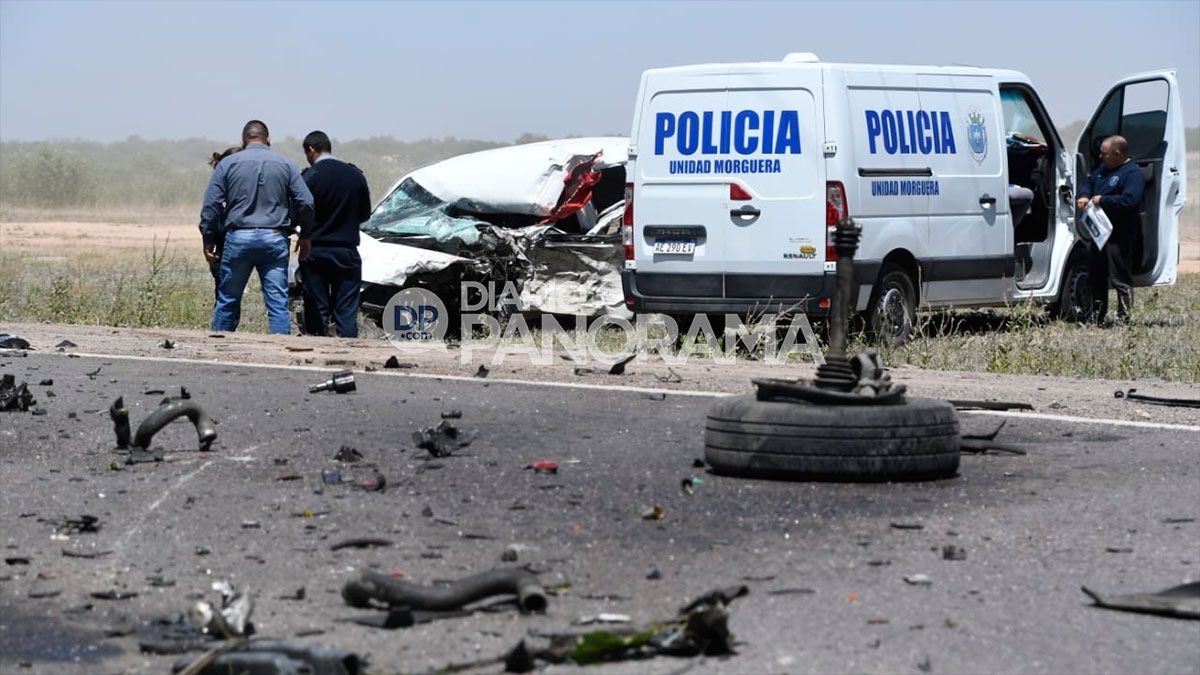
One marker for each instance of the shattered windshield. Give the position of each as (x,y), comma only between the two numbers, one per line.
(410,209)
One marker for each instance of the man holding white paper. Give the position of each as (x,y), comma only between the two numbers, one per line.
(1116,188)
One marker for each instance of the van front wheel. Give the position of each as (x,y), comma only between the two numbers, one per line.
(892,313)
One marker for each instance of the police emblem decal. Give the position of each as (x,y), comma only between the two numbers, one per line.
(1112,182)
(977,135)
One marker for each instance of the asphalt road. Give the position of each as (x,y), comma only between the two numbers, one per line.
(825,565)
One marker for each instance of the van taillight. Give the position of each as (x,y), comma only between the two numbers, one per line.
(737,193)
(627,223)
(835,212)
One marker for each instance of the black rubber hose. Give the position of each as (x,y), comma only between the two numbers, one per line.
(167,412)
(394,592)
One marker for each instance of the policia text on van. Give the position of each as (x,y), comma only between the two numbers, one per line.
(738,171)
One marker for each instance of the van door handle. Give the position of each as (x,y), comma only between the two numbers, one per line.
(987,200)
(746,211)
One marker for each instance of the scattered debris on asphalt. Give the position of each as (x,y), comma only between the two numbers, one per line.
(169,410)
(688,485)
(65,344)
(982,443)
(348,454)
(376,484)
(671,377)
(87,555)
(272,656)
(700,628)
(988,405)
(393,362)
(543,466)
(952,552)
(113,595)
(618,368)
(655,396)
(451,414)
(482,372)
(602,618)
(918,580)
(362,542)
(907,526)
(1130,395)
(167,343)
(1180,602)
(15,396)
(392,592)
(342,382)
(83,524)
(440,441)
(655,512)
(10,341)
(231,620)
(92,375)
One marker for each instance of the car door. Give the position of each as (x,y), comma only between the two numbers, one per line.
(1145,109)
(970,226)
(774,230)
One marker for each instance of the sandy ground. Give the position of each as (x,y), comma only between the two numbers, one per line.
(65,238)
(1048,395)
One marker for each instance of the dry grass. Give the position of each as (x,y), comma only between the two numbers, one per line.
(1162,340)
(156,288)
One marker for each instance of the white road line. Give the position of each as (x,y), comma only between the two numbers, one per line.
(119,547)
(607,387)
(1092,420)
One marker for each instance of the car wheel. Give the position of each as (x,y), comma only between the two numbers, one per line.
(892,312)
(1075,295)
(915,440)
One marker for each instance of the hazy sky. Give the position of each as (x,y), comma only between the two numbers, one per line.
(105,71)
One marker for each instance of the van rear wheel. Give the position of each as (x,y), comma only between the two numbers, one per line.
(892,312)
(1075,295)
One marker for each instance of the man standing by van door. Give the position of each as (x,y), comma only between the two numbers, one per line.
(330,266)
(1116,187)
(261,191)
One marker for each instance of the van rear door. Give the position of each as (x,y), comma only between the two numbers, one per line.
(678,206)
(1145,109)
(776,229)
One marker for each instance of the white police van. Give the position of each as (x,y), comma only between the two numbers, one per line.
(737,171)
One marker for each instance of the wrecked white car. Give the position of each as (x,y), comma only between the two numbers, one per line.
(544,216)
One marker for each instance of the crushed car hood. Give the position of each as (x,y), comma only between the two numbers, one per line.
(525,179)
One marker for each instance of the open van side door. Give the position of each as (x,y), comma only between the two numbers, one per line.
(1145,109)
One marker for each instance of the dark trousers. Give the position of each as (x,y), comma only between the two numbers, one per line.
(1112,265)
(331,279)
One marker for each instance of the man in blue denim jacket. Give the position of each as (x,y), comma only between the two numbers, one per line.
(1117,187)
(254,195)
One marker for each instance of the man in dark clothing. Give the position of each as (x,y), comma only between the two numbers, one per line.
(252,198)
(330,267)
(1116,187)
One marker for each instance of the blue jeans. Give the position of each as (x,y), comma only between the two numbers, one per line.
(247,250)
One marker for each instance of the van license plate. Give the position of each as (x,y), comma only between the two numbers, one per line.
(675,246)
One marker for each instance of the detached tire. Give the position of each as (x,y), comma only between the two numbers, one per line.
(915,440)
(892,312)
